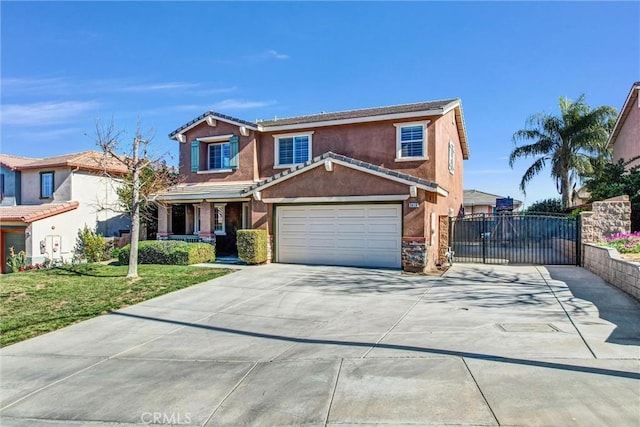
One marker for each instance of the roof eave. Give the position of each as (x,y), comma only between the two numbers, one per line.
(626,107)
(203,117)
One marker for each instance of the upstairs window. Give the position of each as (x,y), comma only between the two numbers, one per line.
(46,185)
(292,149)
(219,156)
(452,157)
(411,141)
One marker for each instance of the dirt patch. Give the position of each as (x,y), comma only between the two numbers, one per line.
(631,257)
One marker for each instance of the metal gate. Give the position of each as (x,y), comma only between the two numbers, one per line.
(516,239)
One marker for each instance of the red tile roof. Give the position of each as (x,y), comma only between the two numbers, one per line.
(31,213)
(86,160)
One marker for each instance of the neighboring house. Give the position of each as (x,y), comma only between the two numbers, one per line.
(625,138)
(360,187)
(47,200)
(479,202)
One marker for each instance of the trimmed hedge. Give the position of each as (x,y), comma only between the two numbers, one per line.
(252,246)
(169,252)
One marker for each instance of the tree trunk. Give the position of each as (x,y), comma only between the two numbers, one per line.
(565,190)
(135,213)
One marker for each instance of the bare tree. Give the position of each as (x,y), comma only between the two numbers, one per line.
(139,189)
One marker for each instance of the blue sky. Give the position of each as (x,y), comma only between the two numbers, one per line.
(64,65)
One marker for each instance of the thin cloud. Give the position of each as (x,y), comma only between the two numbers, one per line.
(267,55)
(155,87)
(272,54)
(487,171)
(240,104)
(23,85)
(49,134)
(44,113)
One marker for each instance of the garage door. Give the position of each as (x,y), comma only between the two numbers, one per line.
(362,235)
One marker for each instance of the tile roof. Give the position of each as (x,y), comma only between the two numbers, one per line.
(31,213)
(86,160)
(364,112)
(205,191)
(477,198)
(14,162)
(408,179)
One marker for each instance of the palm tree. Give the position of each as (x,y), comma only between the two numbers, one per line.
(568,142)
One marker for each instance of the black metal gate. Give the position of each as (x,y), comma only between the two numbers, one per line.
(516,239)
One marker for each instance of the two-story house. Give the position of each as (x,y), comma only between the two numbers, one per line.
(360,188)
(625,137)
(46,201)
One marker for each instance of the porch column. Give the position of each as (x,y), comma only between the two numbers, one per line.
(164,221)
(188,217)
(206,233)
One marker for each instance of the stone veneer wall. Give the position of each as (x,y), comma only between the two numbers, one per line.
(414,254)
(443,238)
(607,217)
(269,248)
(606,263)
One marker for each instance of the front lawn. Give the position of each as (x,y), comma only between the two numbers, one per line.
(39,301)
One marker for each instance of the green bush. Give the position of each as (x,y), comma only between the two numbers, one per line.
(90,245)
(169,252)
(252,246)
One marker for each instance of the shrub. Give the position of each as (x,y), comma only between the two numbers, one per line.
(252,246)
(91,245)
(169,252)
(16,261)
(624,243)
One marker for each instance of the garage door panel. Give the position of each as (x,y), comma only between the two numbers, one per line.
(366,235)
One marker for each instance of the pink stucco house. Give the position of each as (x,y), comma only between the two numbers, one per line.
(361,187)
(625,138)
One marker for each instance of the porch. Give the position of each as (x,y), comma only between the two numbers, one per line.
(210,222)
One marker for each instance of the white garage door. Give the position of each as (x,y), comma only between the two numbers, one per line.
(354,235)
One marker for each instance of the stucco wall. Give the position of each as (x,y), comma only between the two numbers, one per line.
(64,225)
(446,130)
(607,263)
(30,184)
(370,142)
(98,200)
(627,144)
(247,169)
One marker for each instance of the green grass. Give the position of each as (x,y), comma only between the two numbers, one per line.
(39,301)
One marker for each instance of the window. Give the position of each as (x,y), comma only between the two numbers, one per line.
(411,141)
(292,149)
(452,157)
(46,185)
(219,219)
(219,156)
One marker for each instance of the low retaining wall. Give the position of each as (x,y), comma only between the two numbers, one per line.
(606,263)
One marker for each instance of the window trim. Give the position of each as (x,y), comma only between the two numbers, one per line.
(452,157)
(276,150)
(223,231)
(399,126)
(217,170)
(196,219)
(53,183)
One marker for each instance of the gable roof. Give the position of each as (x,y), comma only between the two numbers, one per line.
(31,213)
(85,160)
(480,198)
(392,112)
(350,163)
(202,117)
(632,99)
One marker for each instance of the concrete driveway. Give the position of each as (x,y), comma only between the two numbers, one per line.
(282,345)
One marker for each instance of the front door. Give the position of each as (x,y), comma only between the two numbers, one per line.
(178,219)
